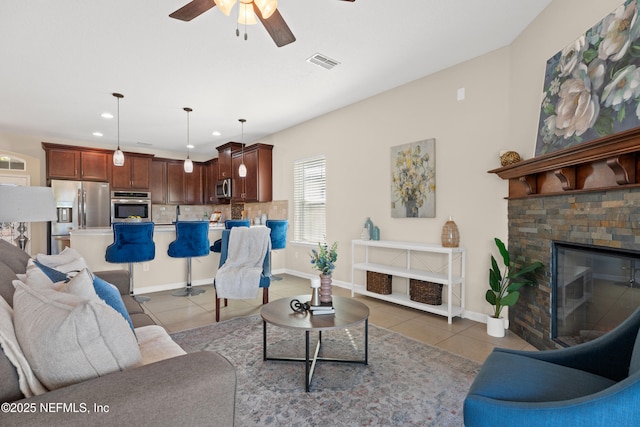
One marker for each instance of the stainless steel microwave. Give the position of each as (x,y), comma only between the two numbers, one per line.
(127,206)
(223,189)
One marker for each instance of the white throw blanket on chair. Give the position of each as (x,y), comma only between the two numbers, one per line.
(239,276)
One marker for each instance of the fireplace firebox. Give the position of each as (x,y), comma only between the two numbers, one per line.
(593,289)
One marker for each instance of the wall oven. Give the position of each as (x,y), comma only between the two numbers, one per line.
(130,206)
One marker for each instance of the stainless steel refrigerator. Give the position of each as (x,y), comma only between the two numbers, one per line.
(79,204)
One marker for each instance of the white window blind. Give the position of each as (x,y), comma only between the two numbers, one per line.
(309,200)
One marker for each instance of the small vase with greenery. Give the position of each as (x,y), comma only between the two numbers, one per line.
(323,259)
(504,285)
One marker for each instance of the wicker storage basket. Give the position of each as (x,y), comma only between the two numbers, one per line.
(425,292)
(379,283)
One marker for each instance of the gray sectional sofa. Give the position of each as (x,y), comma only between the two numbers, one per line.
(188,389)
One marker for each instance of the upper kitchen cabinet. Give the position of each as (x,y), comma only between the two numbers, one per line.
(210,172)
(133,175)
(257,185)
(184,188)
(79,163)
(158,181)
(225,154)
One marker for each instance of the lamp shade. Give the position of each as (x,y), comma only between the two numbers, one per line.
(225,6)
(188,166)
(267,7)
(246,15)
(26,204)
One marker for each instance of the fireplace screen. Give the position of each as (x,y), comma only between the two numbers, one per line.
(594,289)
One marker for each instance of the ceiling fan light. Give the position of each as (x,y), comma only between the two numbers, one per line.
(246,15)
(225,6)
(118,157)
(267,7)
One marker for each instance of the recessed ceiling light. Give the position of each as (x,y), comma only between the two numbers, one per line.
(106,115)
(216,133)
(190,146)
(97,134)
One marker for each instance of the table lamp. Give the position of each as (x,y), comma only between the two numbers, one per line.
(26,204)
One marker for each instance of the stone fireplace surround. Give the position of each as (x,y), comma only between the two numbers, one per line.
(587,194)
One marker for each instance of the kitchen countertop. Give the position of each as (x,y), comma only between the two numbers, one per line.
(156,228)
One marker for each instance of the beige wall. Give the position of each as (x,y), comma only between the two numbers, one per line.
(500,112)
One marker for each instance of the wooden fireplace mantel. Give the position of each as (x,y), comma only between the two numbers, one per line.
(612,162)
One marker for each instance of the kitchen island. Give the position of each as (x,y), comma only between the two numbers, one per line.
(164,272)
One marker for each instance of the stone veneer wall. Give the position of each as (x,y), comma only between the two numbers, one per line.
(607,218)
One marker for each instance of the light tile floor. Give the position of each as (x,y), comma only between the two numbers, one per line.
(464,337)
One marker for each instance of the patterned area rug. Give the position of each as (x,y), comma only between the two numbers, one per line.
(405,383)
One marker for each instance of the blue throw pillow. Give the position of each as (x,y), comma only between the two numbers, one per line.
(53,274)
(111,296)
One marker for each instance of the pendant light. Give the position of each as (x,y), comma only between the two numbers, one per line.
(118,155)
(242,170)
(188,164)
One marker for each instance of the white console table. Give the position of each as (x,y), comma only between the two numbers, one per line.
(448,269)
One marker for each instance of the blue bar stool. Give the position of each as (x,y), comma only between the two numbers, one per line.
(132,242)
(192,240)
(278,236)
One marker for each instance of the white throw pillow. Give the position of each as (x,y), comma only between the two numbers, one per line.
(69,260)
(29,384)
(69,339)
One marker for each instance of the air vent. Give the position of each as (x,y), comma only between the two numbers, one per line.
(148,144)
(323,61)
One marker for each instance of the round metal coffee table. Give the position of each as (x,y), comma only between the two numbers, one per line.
(348,312)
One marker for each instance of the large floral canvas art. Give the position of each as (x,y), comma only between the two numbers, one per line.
(592,87)
(413,180)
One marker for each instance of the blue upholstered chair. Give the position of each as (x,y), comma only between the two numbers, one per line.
(228,225)
(591,384)
(278,236)
(265,276)
(132,242)
(192,240)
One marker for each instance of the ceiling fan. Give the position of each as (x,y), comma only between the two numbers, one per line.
(265,10)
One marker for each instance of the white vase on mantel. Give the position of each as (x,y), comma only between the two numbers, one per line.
(495,326)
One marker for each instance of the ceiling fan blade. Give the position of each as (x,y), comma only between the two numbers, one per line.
(276,27)
(192,9)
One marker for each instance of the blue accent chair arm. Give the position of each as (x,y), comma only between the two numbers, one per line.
(618,405)
(594,384)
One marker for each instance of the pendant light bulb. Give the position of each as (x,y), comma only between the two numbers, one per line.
(188,164)
(242,170)
(118,155)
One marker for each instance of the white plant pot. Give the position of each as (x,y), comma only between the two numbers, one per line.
(495,326)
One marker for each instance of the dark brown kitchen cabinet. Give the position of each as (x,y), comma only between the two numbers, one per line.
(184,188)
(133,175)
(257,185)
(175,183)
(210,174)
(225,154)
(193,188)
(71,162)
(158,181)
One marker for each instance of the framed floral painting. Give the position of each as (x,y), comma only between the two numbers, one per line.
(413,180)
(592,86)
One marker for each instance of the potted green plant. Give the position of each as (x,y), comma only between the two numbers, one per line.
(504,285)
(323,259)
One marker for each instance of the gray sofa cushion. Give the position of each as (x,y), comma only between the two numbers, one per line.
(9,386)
(517,378)
(7,276)
(14,257)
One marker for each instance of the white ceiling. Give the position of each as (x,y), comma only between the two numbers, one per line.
(60,60)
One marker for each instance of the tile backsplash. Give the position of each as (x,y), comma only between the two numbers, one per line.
(166,214)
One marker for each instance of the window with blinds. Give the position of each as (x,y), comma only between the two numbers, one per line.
(309,200)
